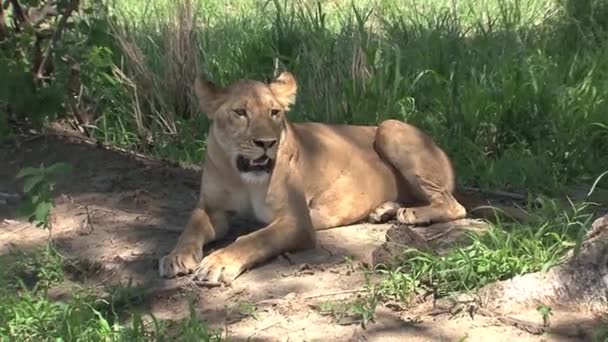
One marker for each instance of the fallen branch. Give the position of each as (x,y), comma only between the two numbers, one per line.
(6,198)
(329,294)
(275,301)
(263,329)
(530,327)
(492,212)
(61,132)
(207,284)
(498,193)
(56,35)
(472,306)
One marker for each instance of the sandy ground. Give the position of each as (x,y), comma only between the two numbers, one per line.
(119,214)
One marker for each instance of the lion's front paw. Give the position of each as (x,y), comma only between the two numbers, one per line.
(222,265)
(180,261)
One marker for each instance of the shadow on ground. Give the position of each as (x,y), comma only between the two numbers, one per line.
(118,215)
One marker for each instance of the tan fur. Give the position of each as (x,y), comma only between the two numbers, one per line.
(324,176)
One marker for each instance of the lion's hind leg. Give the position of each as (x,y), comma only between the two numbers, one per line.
(384,212)
(427,172)
(443,206)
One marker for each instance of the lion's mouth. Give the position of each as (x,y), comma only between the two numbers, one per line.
(263,163)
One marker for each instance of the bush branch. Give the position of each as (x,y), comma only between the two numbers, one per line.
(56,35)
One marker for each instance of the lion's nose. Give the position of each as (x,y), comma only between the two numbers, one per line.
(265,143)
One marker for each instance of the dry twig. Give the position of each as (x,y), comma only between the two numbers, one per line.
(56,35)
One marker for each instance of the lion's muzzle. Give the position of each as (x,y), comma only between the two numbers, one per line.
(261,164)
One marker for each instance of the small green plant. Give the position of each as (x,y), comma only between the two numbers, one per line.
(38,268)
(365,307)
(339,310)
(38,185)
(122,299)
(247,309)
(546,312)
(360,310)
(350,262)
(241,310)
(192,329)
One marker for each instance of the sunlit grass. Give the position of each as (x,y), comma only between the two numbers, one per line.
(28,312)
(505,251)
(513,90)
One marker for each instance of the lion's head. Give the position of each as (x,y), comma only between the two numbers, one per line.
(248,119)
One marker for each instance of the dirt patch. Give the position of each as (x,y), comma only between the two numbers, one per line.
(119,214)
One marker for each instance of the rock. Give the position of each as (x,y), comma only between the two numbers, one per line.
(580,283)
(437,238)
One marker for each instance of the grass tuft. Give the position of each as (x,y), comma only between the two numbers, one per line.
(29,313)
(503,252)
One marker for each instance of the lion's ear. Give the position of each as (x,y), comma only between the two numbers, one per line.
(284,89)
(209,96)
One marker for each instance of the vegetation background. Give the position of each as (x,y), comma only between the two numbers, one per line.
(515,91)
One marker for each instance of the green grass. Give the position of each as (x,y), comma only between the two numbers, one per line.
(28,313)
(513,90)
(506,250)
(41,267)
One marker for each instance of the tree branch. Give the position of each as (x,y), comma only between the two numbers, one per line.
(18,15)
(3,28)
(37,15)
(56,35)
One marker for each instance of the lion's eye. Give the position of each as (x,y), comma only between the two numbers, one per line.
(275,112)
(240,112)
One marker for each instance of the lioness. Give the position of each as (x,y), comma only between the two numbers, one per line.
(301,177)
